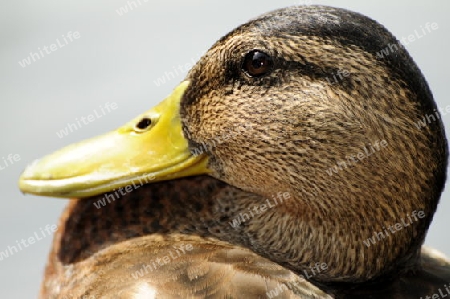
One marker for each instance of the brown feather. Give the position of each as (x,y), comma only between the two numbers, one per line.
(114,250)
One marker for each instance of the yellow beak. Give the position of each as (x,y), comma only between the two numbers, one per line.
(149,148)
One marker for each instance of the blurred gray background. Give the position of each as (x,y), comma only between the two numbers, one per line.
(118,58)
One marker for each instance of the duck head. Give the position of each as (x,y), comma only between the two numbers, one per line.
(297,101)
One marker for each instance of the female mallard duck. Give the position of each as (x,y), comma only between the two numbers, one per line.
(295,102)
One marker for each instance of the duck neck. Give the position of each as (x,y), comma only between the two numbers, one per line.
(344,244)
(360,241)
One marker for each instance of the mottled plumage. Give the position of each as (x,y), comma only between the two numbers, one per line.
(280,133)
(113,250)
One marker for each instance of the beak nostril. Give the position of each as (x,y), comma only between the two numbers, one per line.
(144,123)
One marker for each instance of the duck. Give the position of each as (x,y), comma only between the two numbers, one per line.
(295,103)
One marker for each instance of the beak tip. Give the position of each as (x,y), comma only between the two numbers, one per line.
(30,171)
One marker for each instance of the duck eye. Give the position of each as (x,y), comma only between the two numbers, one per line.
(143,124)
(257,63)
